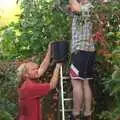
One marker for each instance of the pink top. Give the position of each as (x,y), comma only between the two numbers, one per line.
(29,100)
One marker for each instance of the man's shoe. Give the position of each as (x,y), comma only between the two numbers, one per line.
(72,117)
(87,117)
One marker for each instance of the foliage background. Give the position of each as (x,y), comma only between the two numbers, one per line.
(42,21)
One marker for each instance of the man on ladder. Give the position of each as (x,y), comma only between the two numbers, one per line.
(82,58)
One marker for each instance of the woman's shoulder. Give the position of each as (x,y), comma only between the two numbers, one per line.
(26,84)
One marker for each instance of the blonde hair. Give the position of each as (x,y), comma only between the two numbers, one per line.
(22,69)
(20,73)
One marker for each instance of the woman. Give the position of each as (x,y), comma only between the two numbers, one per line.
(30,91)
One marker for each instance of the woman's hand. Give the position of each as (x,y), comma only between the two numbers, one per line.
(49,47)
(45,63)
(58,65)
(55,78)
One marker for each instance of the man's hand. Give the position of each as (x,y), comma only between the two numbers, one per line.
(74,6)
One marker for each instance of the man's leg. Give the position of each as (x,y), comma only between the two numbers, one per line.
(87,98)
(77,96)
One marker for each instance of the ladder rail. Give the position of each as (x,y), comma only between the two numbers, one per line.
(62,94)
(63,99)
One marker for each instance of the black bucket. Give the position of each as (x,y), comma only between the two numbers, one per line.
(60,51)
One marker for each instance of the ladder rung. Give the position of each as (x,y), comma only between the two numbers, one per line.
(68,99)
(66,110)
(66,77)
